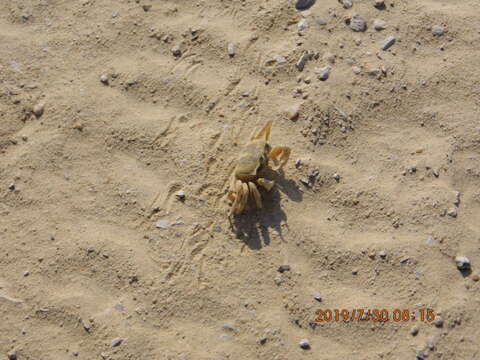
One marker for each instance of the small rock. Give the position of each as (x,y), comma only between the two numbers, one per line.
(78,126)
(180,195)
(476,277)
(86,325)
(302,24)
(163,224)
(379,4)
(294,112)
(404,260)
(379,24)
(283,268)
(324,73)
(116,342)
(229,327)
(304,344)
(388,43)
(462,263)
(436,173)
(317,296)
(321,22)
(298,163)
(12,355)
(347,4)
(304,4)
(357,23)
(231,50)
(76,353)
(382,254)
(431,343)
(38,109)
(414,330)
(26,273)
(438,322)
(354,272)
(11,187)
(104,79)
(420,355)
(438,30)
(176,51)
(357,70)
(452,212)
(336,177)
(104,356)
(456,202)
(146,7)
(281,60)
(302,61)
(278,280)
(262,340)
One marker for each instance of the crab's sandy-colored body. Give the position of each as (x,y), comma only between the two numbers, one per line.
(252,160)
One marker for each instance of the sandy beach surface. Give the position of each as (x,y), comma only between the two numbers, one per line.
(120,124)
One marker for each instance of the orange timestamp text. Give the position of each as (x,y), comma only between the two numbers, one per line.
(375,315)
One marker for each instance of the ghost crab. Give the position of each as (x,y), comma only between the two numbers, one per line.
(254,158)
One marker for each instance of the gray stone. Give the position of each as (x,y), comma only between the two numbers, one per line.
(304,344)
(438,30)
(347,4)
(321,22)
(229,327)
(462,263)
(414,330)
(176,51)
(379,4)
(262,340)
(420,355)
(283,268)
(456,202)
(12,355)
(387,43)
(438,322)
(357,23)
(452,212)
(379,24)
(180,195)
(278,280)
(231,50)
(163,224)
(304,4)
(325,73)
(357,70)
(302,24)
(116,342)
(281,60)
(317,296)
(38,109)
(104,79)
(431,343)
(303,60)
(382,254)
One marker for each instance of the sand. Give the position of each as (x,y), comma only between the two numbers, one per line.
(109,108)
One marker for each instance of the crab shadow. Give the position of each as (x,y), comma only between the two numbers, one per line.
(254,226)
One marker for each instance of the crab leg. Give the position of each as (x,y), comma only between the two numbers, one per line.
(238,197)
(279,155)
(265,132)
(242,204)
(266,184)
(256,194)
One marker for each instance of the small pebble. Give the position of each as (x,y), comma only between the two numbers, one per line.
(438,322)
(347,4)
(116,342)
(379,4)
(304,344)
(357,23)
(476,277)
(302,61)
(104,79)
(414,330)
(278,280)
(262,340)
(304,4)
(336,177)
(281,60)
(452,212)
(382,254)
(11,187)
(404,260)
(146,7)
(324,73)
(163,224)
(38,109)
(388,43)
(379,25)
(462,263)
(104,356)
(456,202)
(12,355)
(26,273)
(180,195)
(231,50)
(438,30)
(302,24)
(431,343)
(283,268)
(294,112)
(420,355)
(317,296)
(176,51)
(229,327)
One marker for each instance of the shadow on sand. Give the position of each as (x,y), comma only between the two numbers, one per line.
(253,226)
